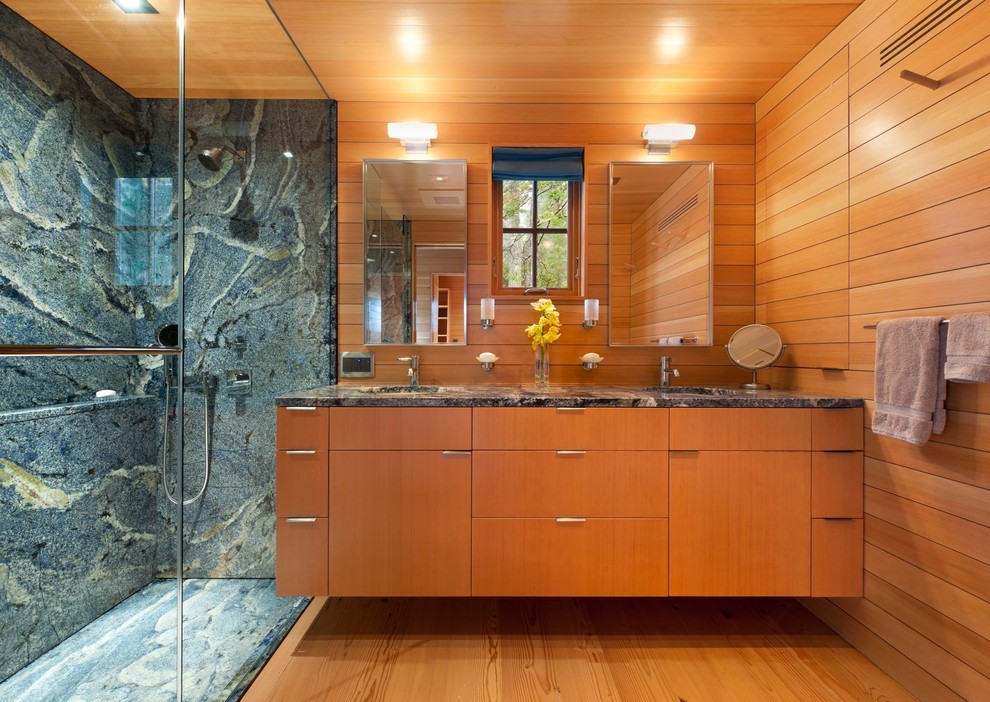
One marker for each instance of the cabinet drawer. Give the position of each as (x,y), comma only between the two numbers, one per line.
(301,427)
(836,557)
(837,484)
(553,428)
(549,558)
(837,429)
(739,429)
(301,483)
(301,557)
(569,484)
(400,428)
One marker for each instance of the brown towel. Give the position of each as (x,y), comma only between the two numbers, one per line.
(906,387)
(968,349)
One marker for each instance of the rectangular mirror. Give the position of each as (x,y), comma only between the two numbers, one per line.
(415,252)
(660,252)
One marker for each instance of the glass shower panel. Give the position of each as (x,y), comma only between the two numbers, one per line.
(258,185)
(88,276)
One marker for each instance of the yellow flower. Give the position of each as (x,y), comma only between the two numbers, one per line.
(546,330)
(544,304)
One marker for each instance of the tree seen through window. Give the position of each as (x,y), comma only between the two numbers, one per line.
(534,234)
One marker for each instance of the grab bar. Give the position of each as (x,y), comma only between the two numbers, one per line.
(60,350)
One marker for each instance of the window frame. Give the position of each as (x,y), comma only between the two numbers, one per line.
(575,243)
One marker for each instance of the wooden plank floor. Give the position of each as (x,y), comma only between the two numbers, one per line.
(567,650)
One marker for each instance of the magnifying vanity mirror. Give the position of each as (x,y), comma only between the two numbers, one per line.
(415,253)
(660,253)
(753,347)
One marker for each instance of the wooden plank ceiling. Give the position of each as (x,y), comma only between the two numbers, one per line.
(517,51)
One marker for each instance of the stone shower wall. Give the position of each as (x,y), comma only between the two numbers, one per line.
(78,496)
(260,266)
(66,136)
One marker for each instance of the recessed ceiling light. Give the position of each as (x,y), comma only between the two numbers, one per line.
(411,43)
(287,154)
(136,7)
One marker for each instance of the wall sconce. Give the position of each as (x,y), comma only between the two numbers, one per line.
(590,312)
(487,312)
(487,360)
(661,138)
(415,136)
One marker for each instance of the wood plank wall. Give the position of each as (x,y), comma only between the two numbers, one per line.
(873,202)
(725,135)
(669,284)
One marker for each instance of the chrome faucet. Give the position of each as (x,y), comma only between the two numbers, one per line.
(666,371)
(413,371)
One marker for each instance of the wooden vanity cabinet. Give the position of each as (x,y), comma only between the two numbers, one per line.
(569,502)
(301,504)
(837,503)
(400,501)
(543,501)
(766,502)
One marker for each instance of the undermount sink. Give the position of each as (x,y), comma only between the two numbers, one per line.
(700,391)
(397,389)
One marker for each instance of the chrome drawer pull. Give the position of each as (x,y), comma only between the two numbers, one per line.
(301,409)
(570,520)
(297,520)
(571,453)
(301,452)
(570,409)
(839,519)
(456,453)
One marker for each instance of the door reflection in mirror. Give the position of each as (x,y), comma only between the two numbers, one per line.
(415,230)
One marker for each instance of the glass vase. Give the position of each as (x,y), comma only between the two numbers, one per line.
(541,366)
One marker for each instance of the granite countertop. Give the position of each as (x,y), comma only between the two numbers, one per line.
(554,396)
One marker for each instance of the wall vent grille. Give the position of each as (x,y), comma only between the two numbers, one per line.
(921,29)
(685,207)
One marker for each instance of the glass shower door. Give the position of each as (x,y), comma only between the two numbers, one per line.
(257,170)
(89,273)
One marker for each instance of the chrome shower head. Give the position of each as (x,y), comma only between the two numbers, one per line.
(212,158)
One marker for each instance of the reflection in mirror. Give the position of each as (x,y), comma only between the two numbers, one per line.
(415,233)
(660,270)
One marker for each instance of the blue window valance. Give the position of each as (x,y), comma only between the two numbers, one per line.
(544,163)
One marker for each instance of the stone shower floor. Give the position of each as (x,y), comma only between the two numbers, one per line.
(231,629)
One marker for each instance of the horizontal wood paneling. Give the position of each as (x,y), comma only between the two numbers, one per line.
(608,133)
(916,229)
(669,280)
(599,53)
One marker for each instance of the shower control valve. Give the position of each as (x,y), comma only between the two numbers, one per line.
(238,381)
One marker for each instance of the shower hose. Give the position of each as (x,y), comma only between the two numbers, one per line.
(206,441)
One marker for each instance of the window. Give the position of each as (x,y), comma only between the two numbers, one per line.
(536,221)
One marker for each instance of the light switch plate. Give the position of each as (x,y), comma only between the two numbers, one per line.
(357,364)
